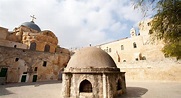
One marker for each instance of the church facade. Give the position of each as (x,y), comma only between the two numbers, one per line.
(28,54)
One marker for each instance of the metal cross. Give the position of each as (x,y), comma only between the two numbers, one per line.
(33,17)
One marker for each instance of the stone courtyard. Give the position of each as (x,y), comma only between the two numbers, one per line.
(52,89)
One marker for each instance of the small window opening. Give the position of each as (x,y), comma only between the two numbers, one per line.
(85,86)
(36,68)
(44,63)
(124,60)
(16,59)
(109,49)
(148,24)
(15,46)
(134,45)
(122,47)
(136,59)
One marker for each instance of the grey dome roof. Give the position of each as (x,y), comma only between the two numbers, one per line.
(32,25)
(91,57)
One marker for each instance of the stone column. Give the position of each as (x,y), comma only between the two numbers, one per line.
(123,82)
(65,86)
(104,86)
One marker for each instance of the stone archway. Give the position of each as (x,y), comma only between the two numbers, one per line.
(85,86)
(119,85)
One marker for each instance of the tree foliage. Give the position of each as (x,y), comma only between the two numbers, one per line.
(166,24)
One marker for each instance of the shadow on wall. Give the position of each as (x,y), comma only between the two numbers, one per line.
(134,92)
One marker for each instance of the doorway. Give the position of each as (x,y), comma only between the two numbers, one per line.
(34,78)
(3,72)
(23,78)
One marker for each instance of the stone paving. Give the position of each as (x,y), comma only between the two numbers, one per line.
(52,89)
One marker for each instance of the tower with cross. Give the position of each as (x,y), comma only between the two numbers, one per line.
(33,18)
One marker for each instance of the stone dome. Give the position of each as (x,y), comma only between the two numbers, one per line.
(32,25)
(91,57)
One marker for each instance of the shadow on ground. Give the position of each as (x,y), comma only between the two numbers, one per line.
(32,83)
(134,92)
(4,91)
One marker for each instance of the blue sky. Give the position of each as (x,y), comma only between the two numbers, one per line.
(76,23)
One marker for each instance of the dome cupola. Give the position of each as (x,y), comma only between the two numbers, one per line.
(31,25)
(91,57)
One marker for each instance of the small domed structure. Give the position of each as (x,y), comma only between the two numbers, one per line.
(92,73)
(91,58)
(32,25)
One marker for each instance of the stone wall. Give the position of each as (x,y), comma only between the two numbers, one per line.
(13,44)
(3,32)
(23,61)
(128,54)
(164,70)
(104,82)
(41,39)
(26,36)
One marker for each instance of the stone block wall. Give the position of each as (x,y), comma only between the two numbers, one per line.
(164,70)
(20,61)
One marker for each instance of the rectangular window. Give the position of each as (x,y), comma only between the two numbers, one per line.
(109,49)
(134,45)
(35,68)
(148,24)
(122,47)
(44,63)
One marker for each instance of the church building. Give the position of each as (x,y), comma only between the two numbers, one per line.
(29,54)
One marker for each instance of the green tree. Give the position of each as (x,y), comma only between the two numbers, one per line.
(166,24)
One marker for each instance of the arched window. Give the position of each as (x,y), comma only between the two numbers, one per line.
(33,46)
(85,86)
(134,45)
(119,87)
(15,46)
(47,48)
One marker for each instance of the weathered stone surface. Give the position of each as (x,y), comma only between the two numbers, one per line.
(30,55)
(100,76)
(21,60)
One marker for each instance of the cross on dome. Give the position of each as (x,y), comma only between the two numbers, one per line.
(33,18)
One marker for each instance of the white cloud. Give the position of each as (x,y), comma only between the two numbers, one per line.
(76,23)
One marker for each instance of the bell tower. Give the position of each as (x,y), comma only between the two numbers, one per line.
(132,32)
